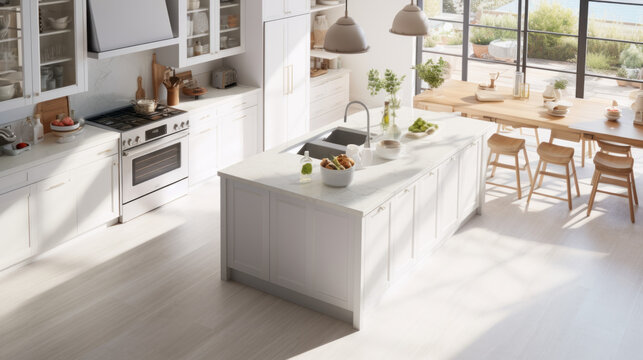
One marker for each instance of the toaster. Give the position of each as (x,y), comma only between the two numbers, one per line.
(224,78)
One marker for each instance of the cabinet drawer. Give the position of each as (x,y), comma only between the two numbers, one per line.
(202,119)
(321,107)
(237,105)
(326,89)
(13,181)
(71,162)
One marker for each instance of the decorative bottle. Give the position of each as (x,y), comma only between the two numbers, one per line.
(305,175)
(386,116)
(38,130)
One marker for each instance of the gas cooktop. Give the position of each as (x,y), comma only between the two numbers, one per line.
(126,118)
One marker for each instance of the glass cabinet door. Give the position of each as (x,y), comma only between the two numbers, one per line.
(199,28)
(58,51)
(13,62)
(230,24)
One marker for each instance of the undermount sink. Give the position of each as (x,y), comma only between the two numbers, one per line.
(329,144)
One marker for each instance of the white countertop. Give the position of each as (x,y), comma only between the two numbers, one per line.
(279,171)
(49,149)
(214,96)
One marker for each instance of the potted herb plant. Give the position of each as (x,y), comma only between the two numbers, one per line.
(622,73)
(480,40)
(559,87)
(433,73)
(391,84)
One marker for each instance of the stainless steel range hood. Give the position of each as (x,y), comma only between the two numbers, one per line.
(119,24)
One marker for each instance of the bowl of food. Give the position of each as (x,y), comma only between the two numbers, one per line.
(338,171)
(563,105)
(60,23)
(7,90)
(388,149)
(421,128)
(612,113)
(64,125)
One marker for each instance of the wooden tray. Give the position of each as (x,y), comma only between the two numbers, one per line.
(48,111)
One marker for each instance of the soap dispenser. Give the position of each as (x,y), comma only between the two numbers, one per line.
(38,130)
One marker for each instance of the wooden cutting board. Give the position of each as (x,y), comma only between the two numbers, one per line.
(48,111)
(140,93)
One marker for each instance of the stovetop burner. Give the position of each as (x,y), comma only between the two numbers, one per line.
(126,118)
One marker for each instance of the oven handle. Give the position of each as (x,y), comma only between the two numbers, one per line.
(155,145)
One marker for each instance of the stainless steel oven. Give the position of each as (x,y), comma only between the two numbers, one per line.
(154,165)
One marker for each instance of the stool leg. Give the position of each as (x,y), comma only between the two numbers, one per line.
(531,178)
(569,189)
(590,147)
(542,176)
(583,153)
(493,172)
(636,196)
(629,197)
(533,185)
(593,195)
(537,139)
(575,178)
(499,127)
(518,176)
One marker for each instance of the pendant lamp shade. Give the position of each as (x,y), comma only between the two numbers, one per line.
(410,21)
(345,37)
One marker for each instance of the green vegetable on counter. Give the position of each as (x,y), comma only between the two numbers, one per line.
(307,169)
(420,125)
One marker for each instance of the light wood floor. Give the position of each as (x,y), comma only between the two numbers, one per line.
(549,284)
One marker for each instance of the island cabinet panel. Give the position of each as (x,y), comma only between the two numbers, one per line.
(469,180)
(53,219)
(248,230)
(332,257)
(14,222)
(402,219)
(448,197)
(426,208)
(375,275)
(96,188)
(289,243)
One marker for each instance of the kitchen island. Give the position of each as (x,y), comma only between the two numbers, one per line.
(337,250)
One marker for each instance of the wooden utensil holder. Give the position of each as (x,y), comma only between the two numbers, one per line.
(172,96)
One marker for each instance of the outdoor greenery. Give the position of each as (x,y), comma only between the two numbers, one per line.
(622,73)
(632,57)
(432,73)
(597,61)
(484,36)
(555,18)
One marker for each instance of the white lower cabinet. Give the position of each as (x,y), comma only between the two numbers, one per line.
(376,254)
(237,136)
(53,211)
(203,146)
(14,222)
(469,180)
(402,219)
(97,196)
(448,197)
(425,236)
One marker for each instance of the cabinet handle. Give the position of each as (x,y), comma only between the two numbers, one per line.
(37,94)
(27,96)
(205,131)
(239,105)
(56,186)
(105,152)
(286,80)
(380,209)
(240,118)
(406,191)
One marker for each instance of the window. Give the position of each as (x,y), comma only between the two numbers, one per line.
(596,45)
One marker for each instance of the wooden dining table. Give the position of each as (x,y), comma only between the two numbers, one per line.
(586,117)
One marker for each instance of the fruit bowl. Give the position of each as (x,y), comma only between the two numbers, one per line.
(337,178)
(64,128)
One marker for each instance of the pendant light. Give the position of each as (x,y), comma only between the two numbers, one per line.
(410,21)
(345,37)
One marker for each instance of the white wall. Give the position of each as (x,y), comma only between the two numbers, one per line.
(388,51)
(112,84)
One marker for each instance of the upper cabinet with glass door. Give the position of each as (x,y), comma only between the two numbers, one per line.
(42,51)
(61,48)
(208,30)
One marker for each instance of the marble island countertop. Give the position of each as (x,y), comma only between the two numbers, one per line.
(278,170)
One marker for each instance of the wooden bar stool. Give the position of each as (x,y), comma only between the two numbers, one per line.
(556,155)
(614,170)
(612,148)
(504,145)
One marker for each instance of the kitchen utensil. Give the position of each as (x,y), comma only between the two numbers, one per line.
(48,111)
(140,93)
(159,73)
(7,90)
(7,136)
(337,178)
(144,106)
(388,149)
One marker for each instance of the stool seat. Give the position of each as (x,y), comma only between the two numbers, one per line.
(505,144)
(613,164)
(555,154)
(614,148)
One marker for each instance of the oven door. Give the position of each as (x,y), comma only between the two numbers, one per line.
(151,166)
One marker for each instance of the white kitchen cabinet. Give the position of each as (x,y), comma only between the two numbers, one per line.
(329,95)
(203,145)
(249,250)
(425,221)
(287,79)
(97,196)
(14,222)
(376,254)
(469,180)
(237,134)
(53,216)
(43,62)
(289,243)
(402,219)
(448,197)
(217,26)
(278,9)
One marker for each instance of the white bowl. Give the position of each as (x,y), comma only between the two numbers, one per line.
(65,128)
(563,105)
(59,24)
(7,90)
(337,178)
(388,149)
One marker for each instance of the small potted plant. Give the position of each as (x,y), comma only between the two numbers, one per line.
(622,73)
(559,87)
(480,40)
(391,84)
(632,60)
(433,73)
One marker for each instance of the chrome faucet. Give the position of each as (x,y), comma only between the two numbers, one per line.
(368,120)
